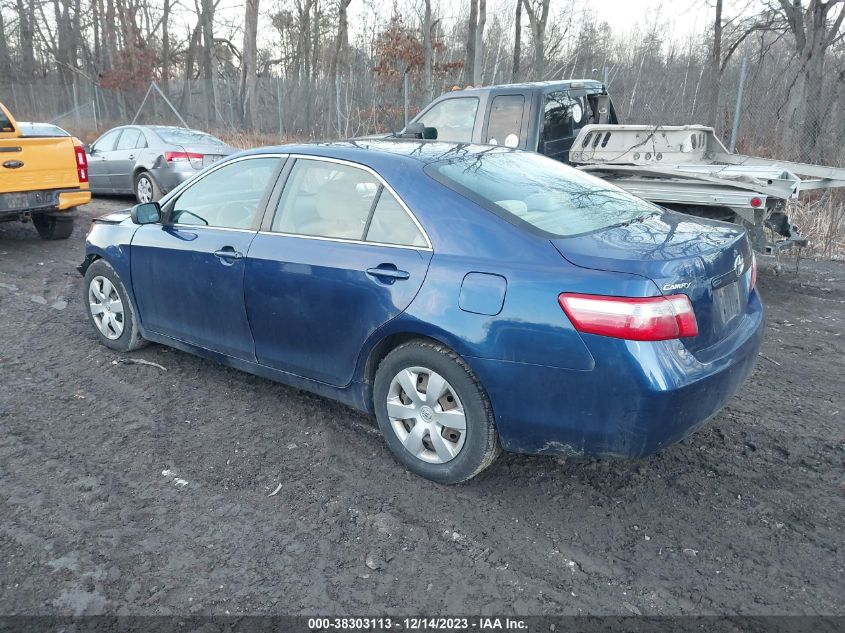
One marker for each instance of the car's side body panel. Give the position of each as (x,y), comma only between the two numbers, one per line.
(552,389)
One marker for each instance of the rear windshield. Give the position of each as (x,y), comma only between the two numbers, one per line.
(41,129)
(182,136)
(5,123)
(540,194)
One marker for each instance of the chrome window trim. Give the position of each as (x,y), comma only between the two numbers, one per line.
(345,240)
(203,226)
(383,182)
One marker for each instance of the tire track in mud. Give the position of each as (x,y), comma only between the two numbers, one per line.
(744,516)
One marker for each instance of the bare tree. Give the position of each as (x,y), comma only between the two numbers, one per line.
(538,17)
(715,73)
(815,29)
(248,63)
(517,41)
(472,41)
(428,50)
(478,62)
(209,70)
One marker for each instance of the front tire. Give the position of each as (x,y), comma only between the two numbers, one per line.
(53,227)
(109,308)
(434,413)
(146,188)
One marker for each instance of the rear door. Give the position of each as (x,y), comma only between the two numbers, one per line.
(340,256)
(507,121)
(122,159)
(188,273)
(565,112)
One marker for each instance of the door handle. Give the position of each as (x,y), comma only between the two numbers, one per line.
(388,271)
(227,252)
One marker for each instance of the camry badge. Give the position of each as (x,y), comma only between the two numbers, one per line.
(678,286)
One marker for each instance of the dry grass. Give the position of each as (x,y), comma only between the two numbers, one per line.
(822,221)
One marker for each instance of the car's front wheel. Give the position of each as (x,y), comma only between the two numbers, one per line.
(109,308)
(146,188)
(434,413)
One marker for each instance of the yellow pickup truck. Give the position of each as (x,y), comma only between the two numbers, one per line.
(42,179)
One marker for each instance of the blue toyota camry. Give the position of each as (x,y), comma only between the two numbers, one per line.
(473,298)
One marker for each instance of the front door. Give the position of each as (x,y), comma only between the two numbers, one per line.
(342,257)
(122,160)
(188,273)
(99,177)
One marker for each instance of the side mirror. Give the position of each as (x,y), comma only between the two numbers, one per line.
(88,149)
(146,213)
(418,130)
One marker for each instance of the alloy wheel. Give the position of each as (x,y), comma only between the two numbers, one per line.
(145,189)
(426,415)
(106,307)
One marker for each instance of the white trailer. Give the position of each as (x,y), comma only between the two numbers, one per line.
(687,168)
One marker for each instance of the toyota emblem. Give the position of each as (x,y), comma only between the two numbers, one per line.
(739,265)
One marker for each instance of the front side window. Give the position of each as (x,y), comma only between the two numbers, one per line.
(454,119)
(504,126)
(563,116)
(106,142)
(540,194)
(228,197)
(129,138)
(325,199)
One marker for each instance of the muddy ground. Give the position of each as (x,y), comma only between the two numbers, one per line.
(128,489)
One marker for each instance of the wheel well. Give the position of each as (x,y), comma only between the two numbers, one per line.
(86,263)
(382,349)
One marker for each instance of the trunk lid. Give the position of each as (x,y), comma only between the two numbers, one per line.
(33,164)
(709,261)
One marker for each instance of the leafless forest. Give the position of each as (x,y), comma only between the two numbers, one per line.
(271,69)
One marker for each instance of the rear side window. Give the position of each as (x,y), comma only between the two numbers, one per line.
(539,194)
(228,197)
(563,115)
(504,126)
(454,119)
(129,138)
(325,199)
(391,224)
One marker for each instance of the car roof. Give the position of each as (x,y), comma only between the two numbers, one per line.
(544,86)
(374,152)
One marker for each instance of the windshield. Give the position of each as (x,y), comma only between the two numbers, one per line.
(539,193)
(183,136)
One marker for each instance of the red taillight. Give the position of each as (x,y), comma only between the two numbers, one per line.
(753,272)
(175,157)
(81,163)
(632,318)
(756,202)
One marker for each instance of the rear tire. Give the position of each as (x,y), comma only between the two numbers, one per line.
(116,326)
(53,227)
(146,188)
(441,451)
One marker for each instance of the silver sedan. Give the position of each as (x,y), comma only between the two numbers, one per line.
(150,160)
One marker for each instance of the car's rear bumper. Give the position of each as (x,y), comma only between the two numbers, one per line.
(12,205)
(640,398)
(168,177)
